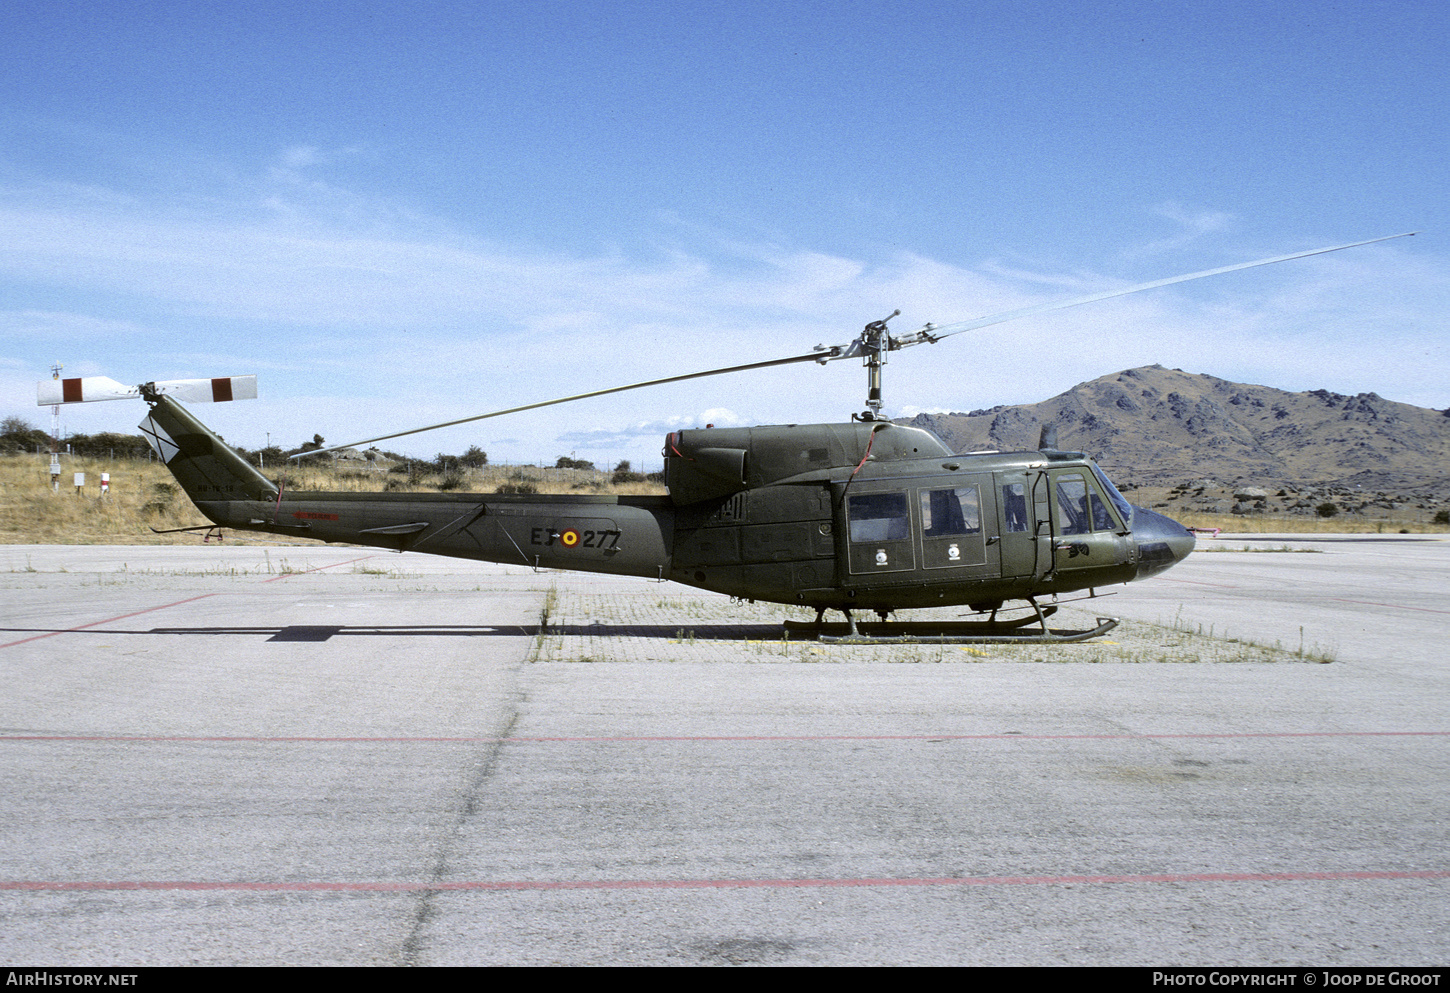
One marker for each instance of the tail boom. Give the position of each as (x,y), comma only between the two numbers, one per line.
(619,535)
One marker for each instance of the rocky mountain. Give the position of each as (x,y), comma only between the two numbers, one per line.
(1153,426)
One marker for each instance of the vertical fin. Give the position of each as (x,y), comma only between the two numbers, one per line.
(202,463)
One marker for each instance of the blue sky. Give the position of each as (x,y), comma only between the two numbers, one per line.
(397,214)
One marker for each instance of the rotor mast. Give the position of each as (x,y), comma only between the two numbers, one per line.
(876,343)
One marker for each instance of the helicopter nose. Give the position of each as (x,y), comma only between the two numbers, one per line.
(1162,541)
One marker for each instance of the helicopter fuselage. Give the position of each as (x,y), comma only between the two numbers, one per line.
(865,515)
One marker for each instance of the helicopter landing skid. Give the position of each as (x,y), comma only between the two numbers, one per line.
(991,632)
(952,634)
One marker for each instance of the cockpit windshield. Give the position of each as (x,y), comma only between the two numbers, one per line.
(1125,509)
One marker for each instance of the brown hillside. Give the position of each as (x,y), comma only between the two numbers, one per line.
(1155,426)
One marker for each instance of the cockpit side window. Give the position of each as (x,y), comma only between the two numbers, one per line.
(1072,508)
(1080,507)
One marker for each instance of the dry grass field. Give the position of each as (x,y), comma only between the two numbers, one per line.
(1408,517)
(143,496)
(1284,524)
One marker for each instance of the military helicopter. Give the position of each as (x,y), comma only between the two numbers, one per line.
(860,516)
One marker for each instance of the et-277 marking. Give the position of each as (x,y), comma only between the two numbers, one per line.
(570,538)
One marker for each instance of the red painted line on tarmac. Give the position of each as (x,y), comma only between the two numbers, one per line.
(82,627)
(702,884)
(303,572)
(164,606)
(1396,606)
(309,739)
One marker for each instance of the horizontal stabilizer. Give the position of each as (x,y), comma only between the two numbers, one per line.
(92,388)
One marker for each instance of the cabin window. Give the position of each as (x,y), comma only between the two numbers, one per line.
(879,517)
(949,512)
(1014,506)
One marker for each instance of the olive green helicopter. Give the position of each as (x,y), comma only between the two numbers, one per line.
(861,516)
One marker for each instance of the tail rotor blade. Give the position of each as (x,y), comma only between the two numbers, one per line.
(90,389)
(208,390)
(83,390)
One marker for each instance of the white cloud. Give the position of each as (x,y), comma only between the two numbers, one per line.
(1195,222)
(1190,225)
(340,296)
(299,157)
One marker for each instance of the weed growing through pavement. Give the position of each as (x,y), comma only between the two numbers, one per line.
(626,627)
(365,569)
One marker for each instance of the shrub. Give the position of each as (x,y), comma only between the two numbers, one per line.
(271,455)
(1327,509)
(412,467)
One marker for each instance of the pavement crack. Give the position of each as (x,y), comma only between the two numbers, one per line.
(425,909)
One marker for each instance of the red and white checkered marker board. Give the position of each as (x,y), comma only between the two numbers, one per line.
(93,388)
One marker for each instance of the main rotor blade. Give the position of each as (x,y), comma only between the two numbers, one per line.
(853,350)
(808,357)
(946,330)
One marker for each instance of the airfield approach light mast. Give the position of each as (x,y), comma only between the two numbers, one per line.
(55,435)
